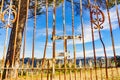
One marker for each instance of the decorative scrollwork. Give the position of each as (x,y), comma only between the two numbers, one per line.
(11,16)
(98,17)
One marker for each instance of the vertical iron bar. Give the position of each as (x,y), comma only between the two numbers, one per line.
(37,78)
(83,41)
(99,32)
(1,74)
(48,78)
(80,74)
(28,63)
(59,71)
(90,66)
(90,73)
(80,65)
(112,38)
(70,65)
(5,42)
(10,75)
(9,14)
(111,70)
(46,33)
(34,31)
(2,3)
(7,69)
(6,74)
(7,28)
(16,31)
(93,43)
(101,70)
(46,43)
(51,76)
(74,47)
(54,32)
(64,33)
(24,44)
(42,71)
(105,54)
(117,12)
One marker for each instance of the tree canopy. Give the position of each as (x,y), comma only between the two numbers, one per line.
(41,4)
(118,60)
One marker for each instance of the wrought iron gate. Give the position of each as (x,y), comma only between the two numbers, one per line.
(63,65)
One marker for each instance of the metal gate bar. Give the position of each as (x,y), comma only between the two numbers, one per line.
(25,32)
(73,34)
(93,43)
(117,12)
(112,39)
(64,34)
(53,35)
(83,43)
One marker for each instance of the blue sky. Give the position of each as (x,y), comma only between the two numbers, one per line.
(40,34)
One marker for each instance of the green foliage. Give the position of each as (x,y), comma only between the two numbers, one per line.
(101,3)
(112,3)
(117,60)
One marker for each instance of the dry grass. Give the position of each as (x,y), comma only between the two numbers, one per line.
(112,75)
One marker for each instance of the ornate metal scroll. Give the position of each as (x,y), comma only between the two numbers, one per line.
(9,15)
(98,17)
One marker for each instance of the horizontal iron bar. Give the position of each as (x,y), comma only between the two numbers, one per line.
(65,37)
(49,68)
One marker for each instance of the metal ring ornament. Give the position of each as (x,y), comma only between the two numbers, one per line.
(98,18)
(6,11)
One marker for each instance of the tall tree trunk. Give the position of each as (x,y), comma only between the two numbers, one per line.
(22,19)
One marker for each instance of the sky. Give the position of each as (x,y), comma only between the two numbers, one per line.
(41,34)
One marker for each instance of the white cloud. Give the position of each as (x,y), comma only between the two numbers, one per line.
(1,51)
(99,51)
(113,18)
(42,32)
(87,35)
(87,28)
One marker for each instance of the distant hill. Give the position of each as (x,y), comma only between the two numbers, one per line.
(26,60)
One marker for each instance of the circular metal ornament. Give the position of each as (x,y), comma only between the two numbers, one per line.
(6,19)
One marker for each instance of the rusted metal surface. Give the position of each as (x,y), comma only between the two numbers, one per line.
(66,37)
(93,43)
(118,16)
(34,34)
(9,10)
(64,33)
(98,21)
(46,43)
(65,68)
(25,31)
(15,41)
(73,33)
(53,34)
(112,38)
(101,70)
(83,42)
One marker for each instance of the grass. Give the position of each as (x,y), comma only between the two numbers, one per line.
(36,75)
